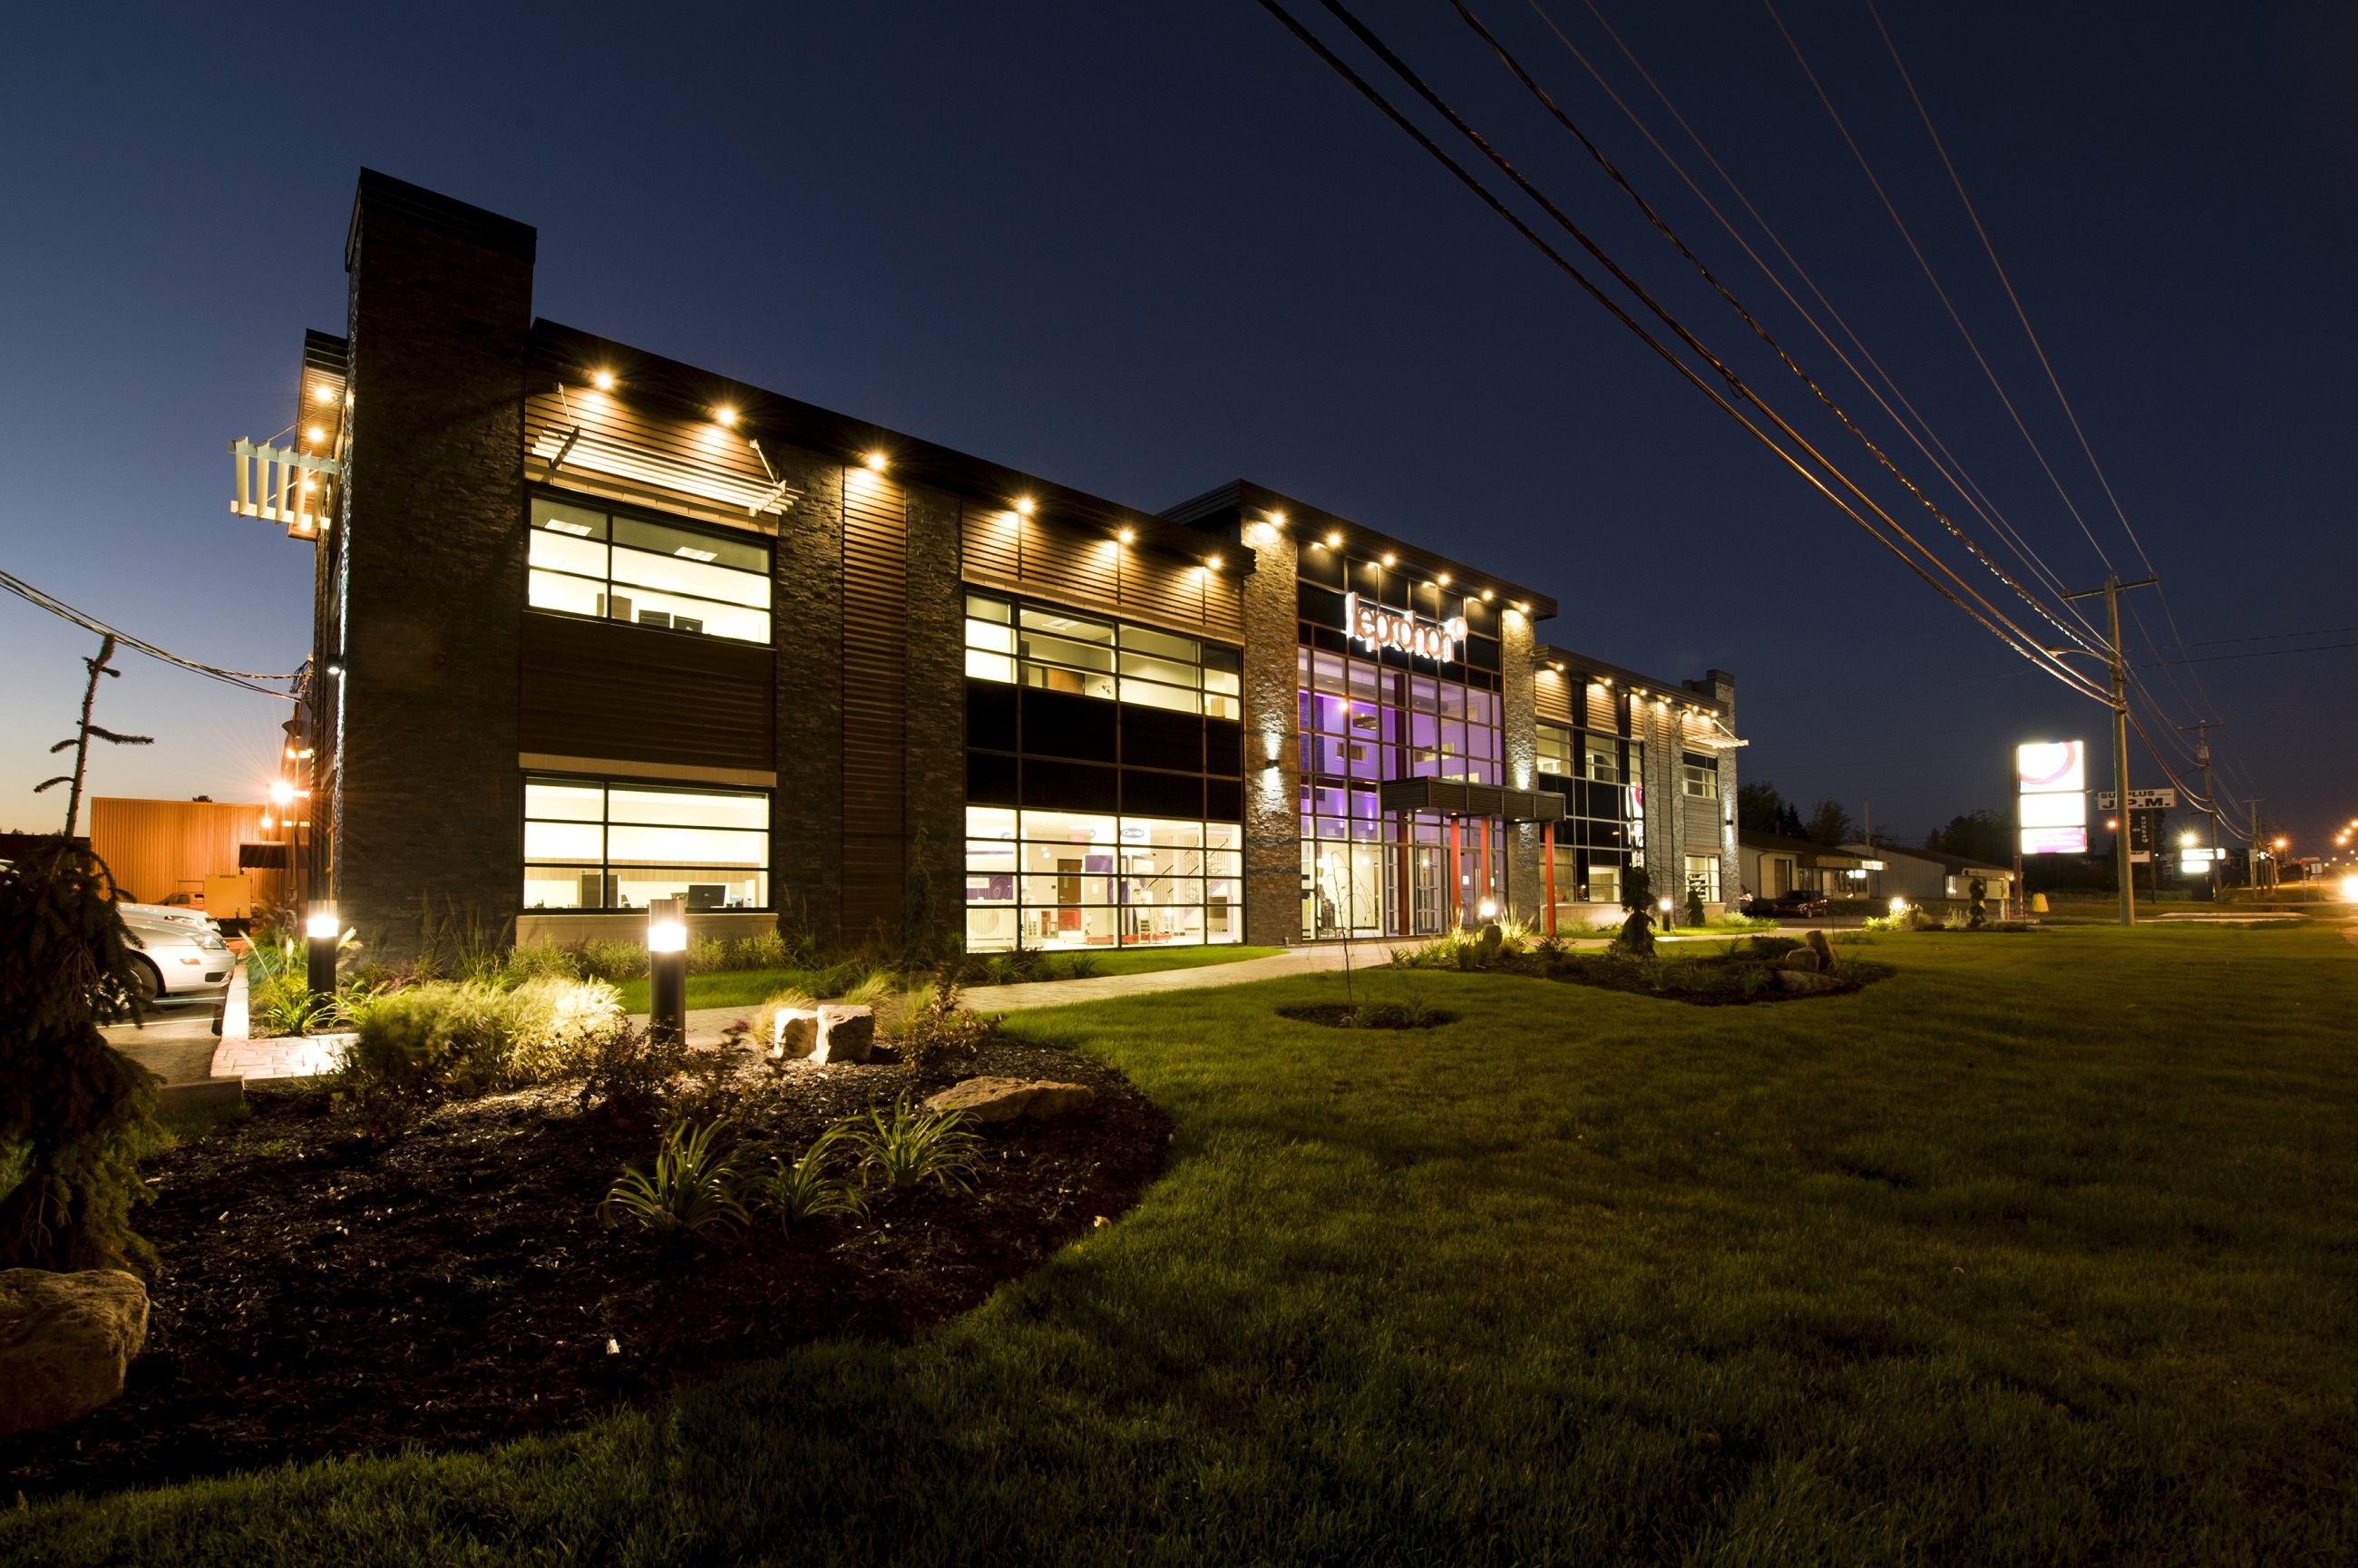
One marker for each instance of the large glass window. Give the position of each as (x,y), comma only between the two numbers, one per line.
(1699,776)
(1055,651)
(585,560)
(590,844)
(1063,880)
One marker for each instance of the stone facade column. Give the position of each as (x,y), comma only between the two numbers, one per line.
(427,811)
(1273,822)
(1519,730)
(934,729)
(807,809)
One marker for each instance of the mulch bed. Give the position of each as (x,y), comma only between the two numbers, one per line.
(1745,978)
(321,1295)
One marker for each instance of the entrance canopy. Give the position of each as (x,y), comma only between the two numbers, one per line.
(1447,797)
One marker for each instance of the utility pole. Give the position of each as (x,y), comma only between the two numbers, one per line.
(2112,593)
(2202,728)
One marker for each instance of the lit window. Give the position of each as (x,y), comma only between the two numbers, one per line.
(587,561)
(593,844)
(1065,881)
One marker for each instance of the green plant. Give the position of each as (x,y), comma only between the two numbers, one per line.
(284,1003)
(938,1031)
(912,1147)
(803,1189)
(1081,967)
(469,1037)
(872,989)
(629,1078)
(74,1114)
(763,950)
(1636,937)
(1694,900)
(707,954)
(693,1186)
(541,960)
(613,960)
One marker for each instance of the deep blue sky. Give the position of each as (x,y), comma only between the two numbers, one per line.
(1144,249)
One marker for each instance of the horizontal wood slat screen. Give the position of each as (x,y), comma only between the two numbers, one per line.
(1084,571)
(1551,697)
(1604,716)
(726,473)
(875,670)
(593,688)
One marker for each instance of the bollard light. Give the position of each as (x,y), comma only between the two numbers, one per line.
(322,928)
(1489,909)
(666,971)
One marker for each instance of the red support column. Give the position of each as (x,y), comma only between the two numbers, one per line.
(1547,875)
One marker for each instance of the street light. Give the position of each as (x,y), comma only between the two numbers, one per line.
(320,931)
(666,971)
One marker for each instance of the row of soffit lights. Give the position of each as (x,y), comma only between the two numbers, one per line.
(725,416)
(1334,541)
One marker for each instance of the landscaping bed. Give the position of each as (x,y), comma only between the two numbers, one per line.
(322,1293)
(1369,1015)
(1739,973)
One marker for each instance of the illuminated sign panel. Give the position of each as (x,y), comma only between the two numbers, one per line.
(1380,628)
(2051,801)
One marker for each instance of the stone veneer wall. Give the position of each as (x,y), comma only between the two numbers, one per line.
(1520,732)
(1273,819)
(934,727)
(807,809)
(426,811)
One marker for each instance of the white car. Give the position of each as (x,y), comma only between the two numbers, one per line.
(171,959)
(179,913)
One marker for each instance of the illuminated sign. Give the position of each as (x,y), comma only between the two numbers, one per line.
(1380,628)
(2052,801)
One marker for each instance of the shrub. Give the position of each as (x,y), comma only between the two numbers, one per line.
(284,1003)
(1637,938)
(693,1186)
(613,960)
(764,950)
(707,954)
(74,1113)
(630,1076)
(873,988)
(938,1032)
(912,1147)
(542,960)
(469,1037)
(1081,967)
(801,1189)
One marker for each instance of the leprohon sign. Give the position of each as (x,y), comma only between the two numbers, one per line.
(1380,628)
(2052,797)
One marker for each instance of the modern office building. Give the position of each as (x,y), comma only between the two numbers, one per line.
(594,627)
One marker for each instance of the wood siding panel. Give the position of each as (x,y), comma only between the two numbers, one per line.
(1552,697)
(992,546)
(1080,568)
(1603,714)
(592,688)
(700,446)
(875,666)
(156,847)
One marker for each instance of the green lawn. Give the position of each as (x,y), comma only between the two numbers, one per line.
(2039,1251)
(751,987)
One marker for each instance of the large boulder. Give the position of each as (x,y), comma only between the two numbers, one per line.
(65,1343)
(1800,960)
(846,1034)
(1004,1099)
(798,1032)
(1806,980)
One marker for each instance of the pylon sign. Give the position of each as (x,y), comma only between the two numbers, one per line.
(2052,797)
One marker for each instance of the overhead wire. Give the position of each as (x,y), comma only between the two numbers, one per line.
(1914,426)
(1531,85)
(88,623)
(2012,635)
(1991,619)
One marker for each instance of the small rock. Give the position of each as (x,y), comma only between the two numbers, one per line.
(65,1343)
(1004,1099)
(845,1033)
(1807,981)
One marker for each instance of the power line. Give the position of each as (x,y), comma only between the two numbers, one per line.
(1531,86)
(1915,425)
(88,623)
(2012,636)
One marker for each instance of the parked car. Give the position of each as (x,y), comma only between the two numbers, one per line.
(178,914)
(1801,903)
(171,959)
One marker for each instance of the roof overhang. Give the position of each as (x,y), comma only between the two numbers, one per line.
(1448,797)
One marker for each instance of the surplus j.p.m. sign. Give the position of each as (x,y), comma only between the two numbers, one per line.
(1380,628)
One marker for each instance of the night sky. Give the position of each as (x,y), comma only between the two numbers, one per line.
(1146,249)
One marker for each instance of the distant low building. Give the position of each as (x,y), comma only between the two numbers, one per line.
(1774,864)
(1927,876)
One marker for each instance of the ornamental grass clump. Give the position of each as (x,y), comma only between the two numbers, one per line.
(692,1186)
(463,1038)
(74,1113)
(804,1188)
(914,1146)
(935,1031)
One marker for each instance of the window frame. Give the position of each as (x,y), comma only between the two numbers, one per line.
(608,588)
(605,868)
